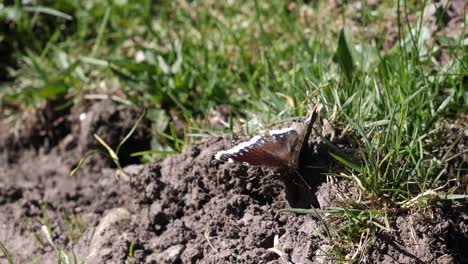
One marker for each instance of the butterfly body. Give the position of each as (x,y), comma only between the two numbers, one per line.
(280,148)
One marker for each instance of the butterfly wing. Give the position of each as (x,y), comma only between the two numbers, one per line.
(272,150)
(280,148)
(304,133)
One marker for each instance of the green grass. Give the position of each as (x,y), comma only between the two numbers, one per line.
(264,62)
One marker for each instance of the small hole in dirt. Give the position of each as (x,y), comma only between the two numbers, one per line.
(457,243)
(301,189)
(457,237)
(261,198)
(268,241)
(300,195)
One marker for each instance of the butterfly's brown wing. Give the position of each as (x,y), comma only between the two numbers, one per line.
(280,148)
(300,147)
(272,150)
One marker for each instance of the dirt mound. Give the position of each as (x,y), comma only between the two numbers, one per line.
(36,156)
(424,237)
(188,208)
(201,209)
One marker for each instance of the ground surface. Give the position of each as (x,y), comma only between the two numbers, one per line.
(187,208)
(190,208)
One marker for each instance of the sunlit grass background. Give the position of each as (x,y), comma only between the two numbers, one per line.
(206,68)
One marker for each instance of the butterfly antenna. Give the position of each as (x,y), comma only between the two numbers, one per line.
(302,178)
(313,167)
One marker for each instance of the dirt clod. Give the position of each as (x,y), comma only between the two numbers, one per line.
(110,227)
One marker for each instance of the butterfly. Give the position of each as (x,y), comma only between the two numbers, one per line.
(281,148)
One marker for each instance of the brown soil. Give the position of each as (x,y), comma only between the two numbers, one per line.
(188,208)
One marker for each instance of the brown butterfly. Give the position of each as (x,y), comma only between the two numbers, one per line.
(280,148)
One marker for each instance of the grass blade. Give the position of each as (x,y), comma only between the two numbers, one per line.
(83,159)
(129,134)
(153,152)
(6,253)
(347,163)
(111,152)
(47,11)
